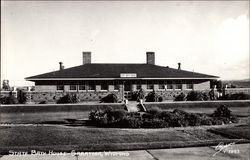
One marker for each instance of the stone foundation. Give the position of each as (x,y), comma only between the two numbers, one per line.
(52,97)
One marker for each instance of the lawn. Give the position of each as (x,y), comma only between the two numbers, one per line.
(235,132)
(64,138)
(38,117)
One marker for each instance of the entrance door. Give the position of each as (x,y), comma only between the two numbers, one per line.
(127,90)
(127,87)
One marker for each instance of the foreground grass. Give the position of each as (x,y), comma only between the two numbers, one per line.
(64,138)
(241,131)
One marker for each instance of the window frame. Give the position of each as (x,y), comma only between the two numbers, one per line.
(58,86)
(191,87)
(172,87)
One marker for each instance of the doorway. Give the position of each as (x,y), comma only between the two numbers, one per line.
(127,90)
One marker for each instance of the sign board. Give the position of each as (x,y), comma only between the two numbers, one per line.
(128,75)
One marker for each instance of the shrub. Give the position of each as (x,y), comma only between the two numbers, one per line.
(153,97)
(21,96)
(115,115)
(234,119)
(194,119)
(110,98)
(135,96)
(235,96)
(240,96)
(43,102)
(3,99)
(222,111)
(206,121)
(155,123)
(180,97)
(154,111)
(9,100)
(129,122)
(68,99)
(217,121)
(98,118)
(155,118)
(197,96)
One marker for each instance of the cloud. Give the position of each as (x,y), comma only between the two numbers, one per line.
(231,47)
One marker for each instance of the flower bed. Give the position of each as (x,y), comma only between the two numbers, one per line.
(156,118)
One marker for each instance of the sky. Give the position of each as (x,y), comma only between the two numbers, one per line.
(210,37)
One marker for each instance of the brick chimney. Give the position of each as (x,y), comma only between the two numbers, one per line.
(151,58)
(86,57)
(61,67)
(179,66)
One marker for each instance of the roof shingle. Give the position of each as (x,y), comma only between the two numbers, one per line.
(104,70)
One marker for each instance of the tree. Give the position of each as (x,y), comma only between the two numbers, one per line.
(6,86)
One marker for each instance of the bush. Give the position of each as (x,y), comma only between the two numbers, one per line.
(194,119)
(21,96)
(3,99)
(222,111)
(154,111)
(9,100)
(43,102)
(68,99)
(130,122)
(235,96)
(155,123)
(110,98)
(206,121)
(115,115)
(197,96)
(153,97)
(134,96)
(98,118)
(155,118)
(180,97)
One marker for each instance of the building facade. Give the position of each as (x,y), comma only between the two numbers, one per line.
(92,81)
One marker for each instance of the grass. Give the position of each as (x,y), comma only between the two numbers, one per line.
(38,117)
(241,131)
(63,138)
(199,104)
(33,108)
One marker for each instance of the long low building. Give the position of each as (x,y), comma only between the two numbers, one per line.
(91,81)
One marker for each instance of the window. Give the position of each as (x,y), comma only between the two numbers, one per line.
(116,86)
(169,86)
(104,86)
(60,87)
(138,86)
(72,87)
(190,86)
(82,87)
(150,86)
(178,86)
(161,85)
(91,86)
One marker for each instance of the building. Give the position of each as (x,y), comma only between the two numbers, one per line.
(91,81)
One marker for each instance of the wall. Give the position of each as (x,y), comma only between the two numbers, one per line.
(202,85)
(52,97)
(45,88)
(7,93)
(237,90)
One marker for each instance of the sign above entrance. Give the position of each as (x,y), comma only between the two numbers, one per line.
(128,75)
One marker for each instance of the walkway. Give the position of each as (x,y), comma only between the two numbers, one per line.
(234,151)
